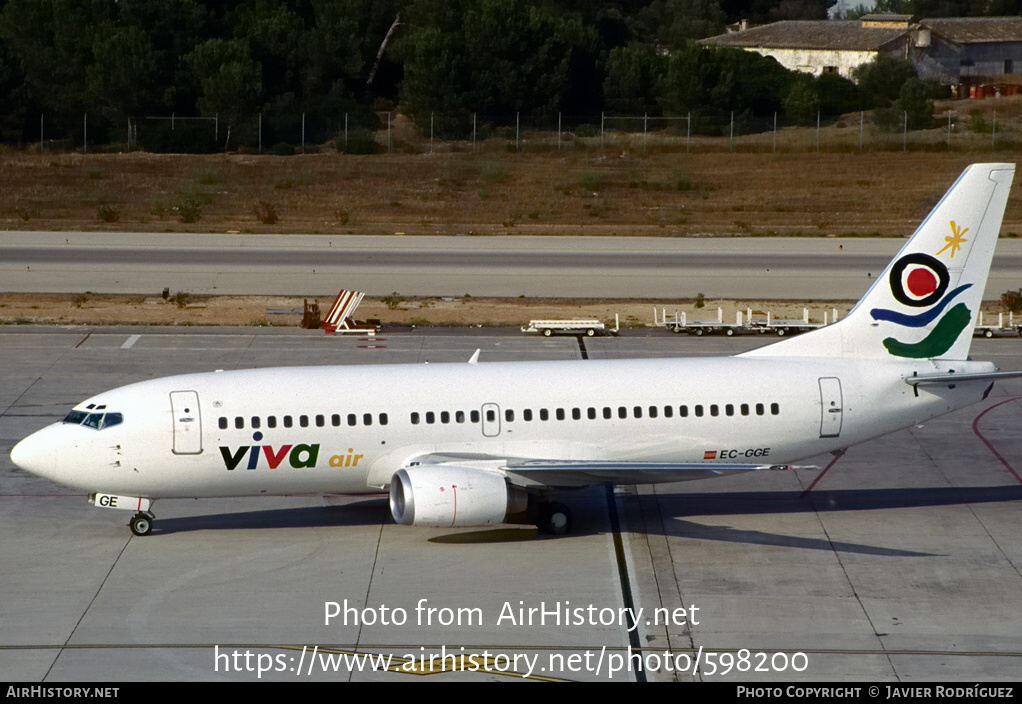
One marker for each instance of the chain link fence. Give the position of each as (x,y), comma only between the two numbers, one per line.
(968,126)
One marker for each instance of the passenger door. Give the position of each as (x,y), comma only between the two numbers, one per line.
(184,406)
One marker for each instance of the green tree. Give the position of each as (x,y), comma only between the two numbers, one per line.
(916,105)
(802,102)
(633,76)
(229,81)
(881,80)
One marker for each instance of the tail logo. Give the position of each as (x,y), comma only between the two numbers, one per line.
(919,280)
(955,240)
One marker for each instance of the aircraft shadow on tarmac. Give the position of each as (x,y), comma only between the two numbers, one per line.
(591,516)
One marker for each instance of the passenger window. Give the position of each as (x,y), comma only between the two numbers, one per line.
(445,417)
(576,414)
(459,416)
(775,409)
(415,418)
(527,414)
(729,409)
(367,418)
(591,413)
(352,420)
(560,414)
(474,416)
(652,411)
(699,410)
(335,420)
(271,421)
(622,412)
(683,411)
(430,417)
(222,423)
(255,422)
(491,415)
(383,419)
(745,409)
(607,413)
(239,423)
(509,415)
(714,410)
(287,421)
(303,421)
(544,414)
(759,409)
(668,411)
(637,411)
(320,420)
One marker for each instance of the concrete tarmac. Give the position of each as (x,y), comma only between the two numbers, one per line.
(752,268)
(899,563)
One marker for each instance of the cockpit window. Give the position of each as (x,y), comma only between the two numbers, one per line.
(99,421)
(75,417)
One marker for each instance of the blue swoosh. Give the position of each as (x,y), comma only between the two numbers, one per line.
(920,320)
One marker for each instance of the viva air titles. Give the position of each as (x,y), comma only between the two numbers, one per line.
(268,456)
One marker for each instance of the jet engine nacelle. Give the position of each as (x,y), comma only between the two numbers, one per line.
(451,497)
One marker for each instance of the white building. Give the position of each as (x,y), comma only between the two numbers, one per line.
(954,51)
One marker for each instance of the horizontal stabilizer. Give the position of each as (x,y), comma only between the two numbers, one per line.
(951,377)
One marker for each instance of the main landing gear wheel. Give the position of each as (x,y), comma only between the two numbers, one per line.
(548,332)
(553,518)
(590,332)
(141,524)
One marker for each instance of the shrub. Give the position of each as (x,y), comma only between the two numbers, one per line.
(1012,301)
(266,213)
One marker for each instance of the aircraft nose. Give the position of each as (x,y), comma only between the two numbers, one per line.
(34,454)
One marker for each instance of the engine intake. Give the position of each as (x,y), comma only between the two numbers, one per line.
(450,497)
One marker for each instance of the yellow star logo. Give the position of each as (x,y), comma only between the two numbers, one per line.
(956,239)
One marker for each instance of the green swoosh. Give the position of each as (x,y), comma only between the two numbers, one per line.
(938,341)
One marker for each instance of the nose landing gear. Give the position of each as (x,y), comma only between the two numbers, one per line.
(142,523)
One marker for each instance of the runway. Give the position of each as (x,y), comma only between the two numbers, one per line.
(533,266)
(900,562)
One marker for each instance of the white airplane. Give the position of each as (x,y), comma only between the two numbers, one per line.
(469,444)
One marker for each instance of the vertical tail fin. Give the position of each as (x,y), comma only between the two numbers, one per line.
(925,304)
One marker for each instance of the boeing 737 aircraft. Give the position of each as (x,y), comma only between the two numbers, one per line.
(469,444)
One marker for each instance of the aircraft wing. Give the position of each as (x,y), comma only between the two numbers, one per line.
(535,473)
